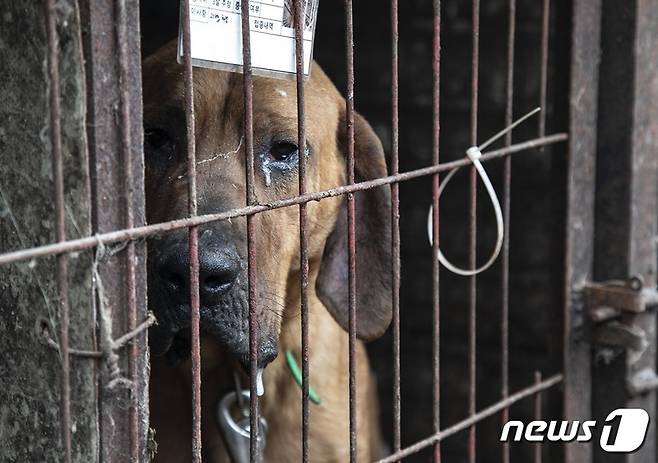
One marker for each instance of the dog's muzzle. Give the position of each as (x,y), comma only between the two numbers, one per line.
(223,296)
(219,267)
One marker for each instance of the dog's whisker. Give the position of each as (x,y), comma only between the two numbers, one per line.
(274,301)
(275,298)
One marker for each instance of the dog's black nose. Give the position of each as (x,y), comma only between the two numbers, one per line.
(218,271)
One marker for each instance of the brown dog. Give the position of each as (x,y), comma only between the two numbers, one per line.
(222,257)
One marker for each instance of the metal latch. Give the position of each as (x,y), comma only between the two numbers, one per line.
(612,304)
(610,299)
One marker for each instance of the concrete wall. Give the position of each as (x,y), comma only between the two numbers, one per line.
(29,369)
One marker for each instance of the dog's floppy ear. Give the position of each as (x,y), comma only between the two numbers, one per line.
(373,242)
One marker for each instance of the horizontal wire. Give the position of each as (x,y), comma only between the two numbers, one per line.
(165,227)
(471,420)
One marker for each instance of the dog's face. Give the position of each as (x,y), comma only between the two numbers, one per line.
(221,186)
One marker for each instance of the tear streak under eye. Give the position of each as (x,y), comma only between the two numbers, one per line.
(268,165)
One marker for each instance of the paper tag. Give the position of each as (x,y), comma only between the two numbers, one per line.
(216,35)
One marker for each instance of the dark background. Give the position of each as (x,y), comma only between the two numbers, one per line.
(538,201)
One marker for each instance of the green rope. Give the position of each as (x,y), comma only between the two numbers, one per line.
(297,374)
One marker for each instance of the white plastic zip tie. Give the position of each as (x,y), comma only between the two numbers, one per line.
(474,153)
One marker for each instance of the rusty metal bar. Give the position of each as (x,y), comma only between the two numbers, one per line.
(60,219)
(476,418)
(395,222)
(130,253)
(193,236)
(579,251)
(251,229)
(436,322)
(351,230)
(538,416)
(303,234)
(543,73)
(113,73)
(472,235)
(166,227)
(507,194)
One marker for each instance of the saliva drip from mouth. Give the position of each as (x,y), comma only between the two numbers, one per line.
(260,387)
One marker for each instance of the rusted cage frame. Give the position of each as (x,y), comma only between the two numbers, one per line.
(626,208)
(579,253)
(123,412)
(131,233)
(626,152)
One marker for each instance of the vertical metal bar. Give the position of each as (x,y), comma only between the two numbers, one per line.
(251,227)
(643,205)
(130,255)
(472,229)
(303,236)
(351,234)
(58,185)
(507,186)
(543,78)
(627,202)
(436,136)
(395,223)
(580,216)
(193,237)
(113,73)
(538,416)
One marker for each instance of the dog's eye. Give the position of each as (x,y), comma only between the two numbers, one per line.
(158,140)
(283,150)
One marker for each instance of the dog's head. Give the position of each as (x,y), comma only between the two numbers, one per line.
(221,186)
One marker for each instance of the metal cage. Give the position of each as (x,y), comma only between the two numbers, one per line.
(612,173)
